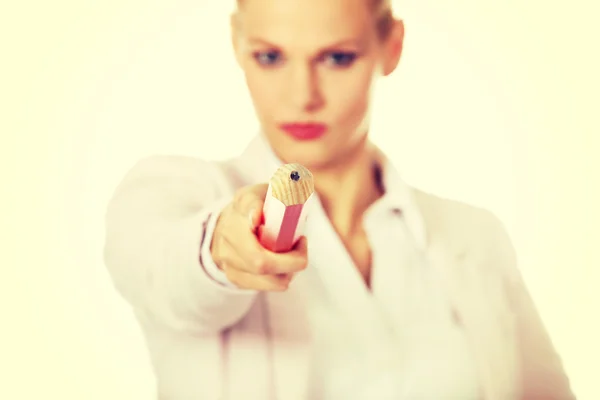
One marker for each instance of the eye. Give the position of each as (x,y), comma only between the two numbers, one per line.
(268,58)
(340,58)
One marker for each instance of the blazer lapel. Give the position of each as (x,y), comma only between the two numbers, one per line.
(476,306)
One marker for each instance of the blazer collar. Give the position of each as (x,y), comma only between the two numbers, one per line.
(259,161)
(424,216)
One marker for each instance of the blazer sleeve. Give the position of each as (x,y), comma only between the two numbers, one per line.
(155,229)
(543,375)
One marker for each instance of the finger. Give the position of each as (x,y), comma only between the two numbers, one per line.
(293,261)
(301,246)
(241,239)
(243,259)
(229,256)
(257,217)
(290,262)
(234,262)
(260,261)
(249,202)
(246,280)
(260,190)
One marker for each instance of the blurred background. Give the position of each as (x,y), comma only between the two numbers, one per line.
(499,96)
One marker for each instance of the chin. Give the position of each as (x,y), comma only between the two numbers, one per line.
(310,158)
(321,153)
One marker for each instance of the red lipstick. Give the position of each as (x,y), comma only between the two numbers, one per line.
(304,131)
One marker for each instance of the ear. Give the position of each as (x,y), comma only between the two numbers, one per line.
(393,47)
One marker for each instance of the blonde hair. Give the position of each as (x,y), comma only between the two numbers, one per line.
(382,10)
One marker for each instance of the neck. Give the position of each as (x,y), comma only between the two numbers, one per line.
(348,188)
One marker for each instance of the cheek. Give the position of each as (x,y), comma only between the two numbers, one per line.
(262,91)
(348,96)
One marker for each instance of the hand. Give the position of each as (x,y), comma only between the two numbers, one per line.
(236,250)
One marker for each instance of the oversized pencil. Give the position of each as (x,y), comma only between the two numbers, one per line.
(286,207)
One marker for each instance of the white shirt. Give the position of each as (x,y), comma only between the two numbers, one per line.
(397,340)
(211,342)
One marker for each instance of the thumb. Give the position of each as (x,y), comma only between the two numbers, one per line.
(255,216)
(301,245)
(259,193)
(259,190)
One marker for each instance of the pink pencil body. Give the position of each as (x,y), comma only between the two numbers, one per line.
(286,207)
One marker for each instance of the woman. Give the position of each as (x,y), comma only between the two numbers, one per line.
(393,293)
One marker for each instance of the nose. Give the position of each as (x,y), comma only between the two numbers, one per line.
(303,88)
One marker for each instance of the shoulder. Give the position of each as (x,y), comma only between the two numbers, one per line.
(173,166)
(468,226)
(175,175)
(454,214)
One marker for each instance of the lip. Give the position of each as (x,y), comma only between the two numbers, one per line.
(304,131)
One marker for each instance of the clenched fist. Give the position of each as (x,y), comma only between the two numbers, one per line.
(237,251)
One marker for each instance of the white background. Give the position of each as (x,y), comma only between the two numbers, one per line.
(493,104)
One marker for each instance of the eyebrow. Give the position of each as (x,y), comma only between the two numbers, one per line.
(344,42)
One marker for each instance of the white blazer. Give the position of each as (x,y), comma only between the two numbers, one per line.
(155,226)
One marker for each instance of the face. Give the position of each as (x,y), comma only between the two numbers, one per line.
(310,67)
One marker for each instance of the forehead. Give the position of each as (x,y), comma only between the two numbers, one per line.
(306,22)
